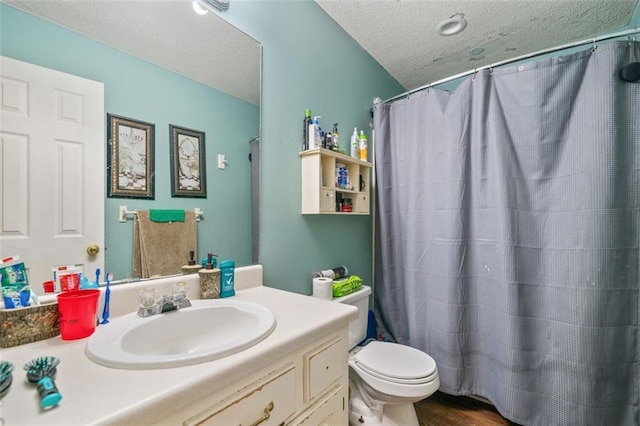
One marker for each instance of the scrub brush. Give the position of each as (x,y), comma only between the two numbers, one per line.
(5,377)
(41,371)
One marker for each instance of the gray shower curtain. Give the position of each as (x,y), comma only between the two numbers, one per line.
(507,236)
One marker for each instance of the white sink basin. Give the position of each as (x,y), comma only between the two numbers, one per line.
(208,330)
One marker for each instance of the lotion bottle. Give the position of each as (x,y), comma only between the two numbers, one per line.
(355,144)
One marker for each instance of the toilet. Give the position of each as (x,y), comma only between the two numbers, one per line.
(385,378)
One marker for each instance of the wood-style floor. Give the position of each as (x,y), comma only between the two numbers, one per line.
(441,409)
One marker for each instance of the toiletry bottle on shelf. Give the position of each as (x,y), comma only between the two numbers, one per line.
(209,280)
(314,134)
(305,129)
(191,267)
(336,138)
(355,144)
(363,146)
(227,278)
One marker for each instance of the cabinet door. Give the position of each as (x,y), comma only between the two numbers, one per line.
(329,411)
(266,402)
(322,368)
(327,200)
(362,203)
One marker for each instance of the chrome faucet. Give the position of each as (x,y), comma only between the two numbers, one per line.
(149,305)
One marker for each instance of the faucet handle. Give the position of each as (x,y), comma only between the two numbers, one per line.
(147,297)
(179,291)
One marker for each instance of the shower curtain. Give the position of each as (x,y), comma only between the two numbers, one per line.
(508,237)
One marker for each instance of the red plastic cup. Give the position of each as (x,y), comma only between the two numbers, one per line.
(48,286)
(77,312)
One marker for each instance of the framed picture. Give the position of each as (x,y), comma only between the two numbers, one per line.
(130,158)
(188,165)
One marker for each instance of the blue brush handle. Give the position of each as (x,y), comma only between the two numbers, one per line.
(105,310)
(49,395)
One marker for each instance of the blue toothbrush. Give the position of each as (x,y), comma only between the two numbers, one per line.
(97,277)
(107,293)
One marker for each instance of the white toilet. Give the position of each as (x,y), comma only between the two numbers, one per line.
(385,379)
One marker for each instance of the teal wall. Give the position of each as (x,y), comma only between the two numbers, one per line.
(308,62)
(140,90)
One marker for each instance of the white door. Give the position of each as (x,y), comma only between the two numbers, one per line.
(52,169)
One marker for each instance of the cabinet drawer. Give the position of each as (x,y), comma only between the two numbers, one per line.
(271,399)
(330,410)
(322,367)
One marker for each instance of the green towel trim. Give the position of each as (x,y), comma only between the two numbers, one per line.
(166,215)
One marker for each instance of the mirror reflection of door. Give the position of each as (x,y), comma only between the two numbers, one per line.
(52,162)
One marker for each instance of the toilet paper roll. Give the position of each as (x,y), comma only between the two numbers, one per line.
(323,288)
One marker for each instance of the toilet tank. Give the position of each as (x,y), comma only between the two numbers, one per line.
(357,327)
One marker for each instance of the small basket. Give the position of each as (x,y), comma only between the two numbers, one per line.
(26,325)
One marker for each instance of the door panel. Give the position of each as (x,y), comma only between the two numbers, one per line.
(52,168)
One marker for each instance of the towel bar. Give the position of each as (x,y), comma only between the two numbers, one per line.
(123,213)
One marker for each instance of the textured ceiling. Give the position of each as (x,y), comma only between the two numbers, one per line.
(401,34)
(167,33)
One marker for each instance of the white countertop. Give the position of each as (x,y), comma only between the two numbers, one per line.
(93,394)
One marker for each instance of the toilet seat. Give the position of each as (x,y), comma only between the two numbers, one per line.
(395,363)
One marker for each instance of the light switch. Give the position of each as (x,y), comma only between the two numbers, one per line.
(222,161)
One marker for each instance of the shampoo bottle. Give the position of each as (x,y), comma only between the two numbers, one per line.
(227,278)
(314,133)
(363,146)
(355,144)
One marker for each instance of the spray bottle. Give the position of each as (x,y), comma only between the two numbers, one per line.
(355,144)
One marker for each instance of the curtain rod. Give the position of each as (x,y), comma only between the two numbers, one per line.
(517,58)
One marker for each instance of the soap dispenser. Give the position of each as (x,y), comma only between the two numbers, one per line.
(191,267)
(209,280)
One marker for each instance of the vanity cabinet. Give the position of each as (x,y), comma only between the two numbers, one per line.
(325,192)
(308,386)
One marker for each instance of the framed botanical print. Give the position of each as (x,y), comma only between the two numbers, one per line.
(188,165)
(130,162)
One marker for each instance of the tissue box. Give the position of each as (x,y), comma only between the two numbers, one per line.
(25,325)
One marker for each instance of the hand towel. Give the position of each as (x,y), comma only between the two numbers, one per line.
(161,248)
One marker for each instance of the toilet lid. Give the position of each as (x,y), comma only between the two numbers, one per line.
(401,363)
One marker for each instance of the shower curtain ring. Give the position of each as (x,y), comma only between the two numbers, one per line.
(490,68)
(593,49)
(475,72)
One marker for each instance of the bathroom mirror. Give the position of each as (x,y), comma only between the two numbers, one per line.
(170,52)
